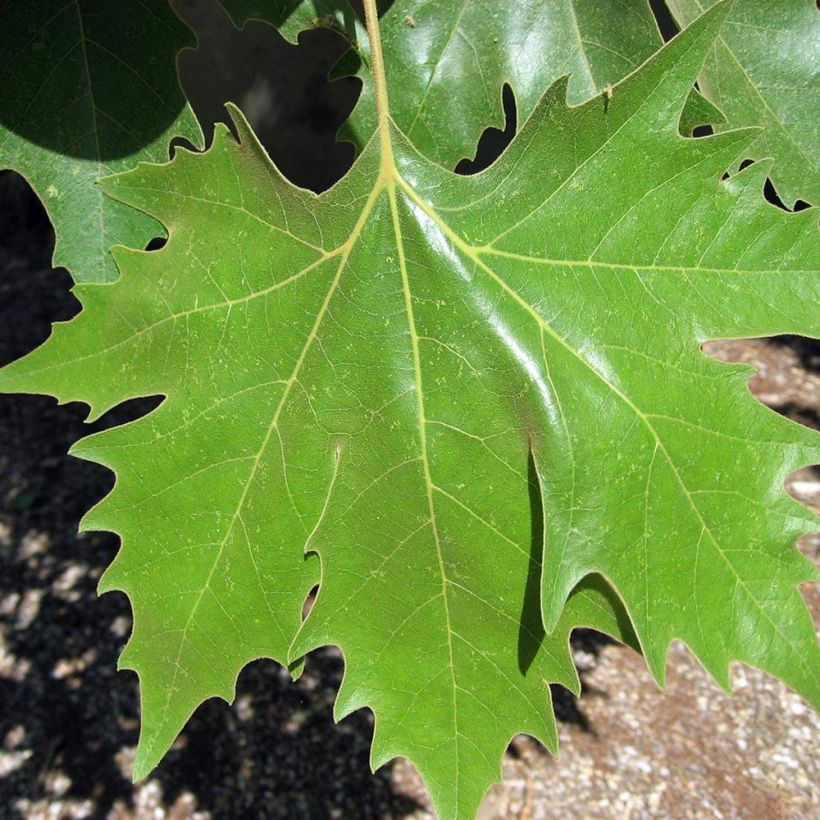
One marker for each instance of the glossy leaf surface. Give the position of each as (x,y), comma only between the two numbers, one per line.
(88,88)
(764,70)
(446,63)
(465,395)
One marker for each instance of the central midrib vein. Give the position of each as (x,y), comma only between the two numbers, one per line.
(388,179)
(425,461)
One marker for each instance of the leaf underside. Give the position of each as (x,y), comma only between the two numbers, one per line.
(458,404)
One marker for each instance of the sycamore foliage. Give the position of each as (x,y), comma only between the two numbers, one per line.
(458,404)
(89,88)
(447,62)
(764,69)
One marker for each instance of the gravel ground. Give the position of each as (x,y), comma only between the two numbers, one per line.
(68,721)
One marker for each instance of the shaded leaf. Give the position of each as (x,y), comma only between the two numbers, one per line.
(292,17)
(90,88)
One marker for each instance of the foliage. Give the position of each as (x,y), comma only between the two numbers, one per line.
(763,70)
(446,62)
(467,407)
(65,120)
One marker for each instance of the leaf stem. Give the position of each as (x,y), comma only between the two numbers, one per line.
(371,14)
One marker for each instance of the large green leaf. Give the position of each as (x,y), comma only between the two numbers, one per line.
(88,88)
(278,428)
(764,69)
(384,375)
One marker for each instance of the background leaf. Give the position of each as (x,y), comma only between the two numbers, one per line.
(292,17)
(447,61)
(446,64)
(764,69)
(90,88)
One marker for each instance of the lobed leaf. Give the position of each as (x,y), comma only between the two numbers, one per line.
(281,429)
(468,396)
(763,70)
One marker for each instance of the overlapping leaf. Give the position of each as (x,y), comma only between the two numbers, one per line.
(292,17)
(446,62)
(89,88)
(764,69)
(387,374)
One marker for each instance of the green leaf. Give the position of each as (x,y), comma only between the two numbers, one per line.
(89,89)
(389,375)
(278,432)
(446,64)
(698,111)
(447,61)
(763,70)
(292,17)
